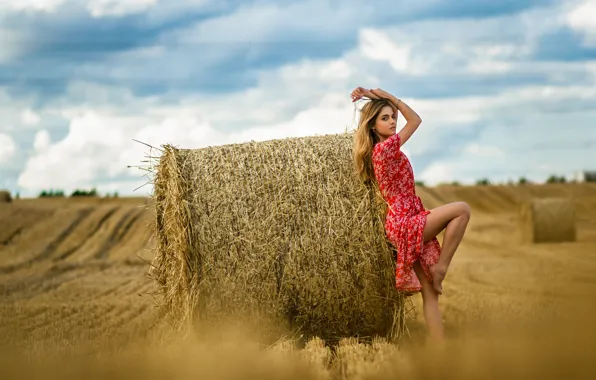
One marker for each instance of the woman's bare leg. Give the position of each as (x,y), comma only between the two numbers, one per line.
(430,305)
(453,218)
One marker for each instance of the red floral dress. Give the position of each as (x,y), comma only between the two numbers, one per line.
(406,217)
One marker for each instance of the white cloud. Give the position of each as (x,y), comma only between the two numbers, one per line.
(436,173)
(442,117)
(591,69)
(317,120)
(268,22)
(329,71)
(42,141)
(377,45)
(483,150)
(97,8)
(32,5)
(103,8)
(18,120)
(30,118)
(81,157)
(9,117)
(280,95)
(478,57)
(498,50)
(13,44)
(582,18)
(489,67)
(471,46)
(100,144)
(7,148)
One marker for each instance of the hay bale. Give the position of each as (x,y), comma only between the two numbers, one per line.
(548,220)
(5,196)
(279,234)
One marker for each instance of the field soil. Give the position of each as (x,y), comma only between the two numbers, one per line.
(73,283)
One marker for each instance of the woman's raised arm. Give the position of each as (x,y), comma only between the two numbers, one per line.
(413,120)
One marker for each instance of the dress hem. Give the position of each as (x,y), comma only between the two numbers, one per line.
(419,251)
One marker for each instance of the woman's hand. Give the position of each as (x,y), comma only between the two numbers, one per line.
(360,92)
(384,95)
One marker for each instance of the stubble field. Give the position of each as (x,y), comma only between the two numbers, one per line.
(75,299)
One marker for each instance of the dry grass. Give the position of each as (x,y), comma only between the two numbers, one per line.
(277,234)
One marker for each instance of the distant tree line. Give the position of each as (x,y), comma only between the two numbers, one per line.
(76,193)
(556,179)
(553,178)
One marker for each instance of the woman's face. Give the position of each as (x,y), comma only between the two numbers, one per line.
(386,123)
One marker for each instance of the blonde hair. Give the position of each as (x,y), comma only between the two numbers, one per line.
(365,139)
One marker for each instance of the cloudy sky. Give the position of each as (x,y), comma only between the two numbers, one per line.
(505,88)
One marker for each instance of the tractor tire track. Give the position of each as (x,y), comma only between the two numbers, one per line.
(92,233)
(30,287)
(49,316)
(15,220)
(16,312)
(11,237)
(112,291)
(126,317)
(50,247)
(118,233)
(68,318)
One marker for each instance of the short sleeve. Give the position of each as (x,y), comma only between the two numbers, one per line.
(391,146)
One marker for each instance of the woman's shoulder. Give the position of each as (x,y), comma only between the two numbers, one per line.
(391,141)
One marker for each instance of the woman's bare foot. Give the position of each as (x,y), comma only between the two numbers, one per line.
(438,273)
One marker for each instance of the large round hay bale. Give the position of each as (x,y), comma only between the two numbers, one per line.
(278,234)
(5,196)
(548,220)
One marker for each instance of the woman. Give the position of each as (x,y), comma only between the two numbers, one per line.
(421,262)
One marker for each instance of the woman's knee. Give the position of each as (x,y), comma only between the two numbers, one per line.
(464,210)
(429,294)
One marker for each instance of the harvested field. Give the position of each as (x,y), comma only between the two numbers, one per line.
(73,284)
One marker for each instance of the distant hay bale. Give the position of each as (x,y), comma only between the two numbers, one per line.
(277,234)
(5,196)
(548,220)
